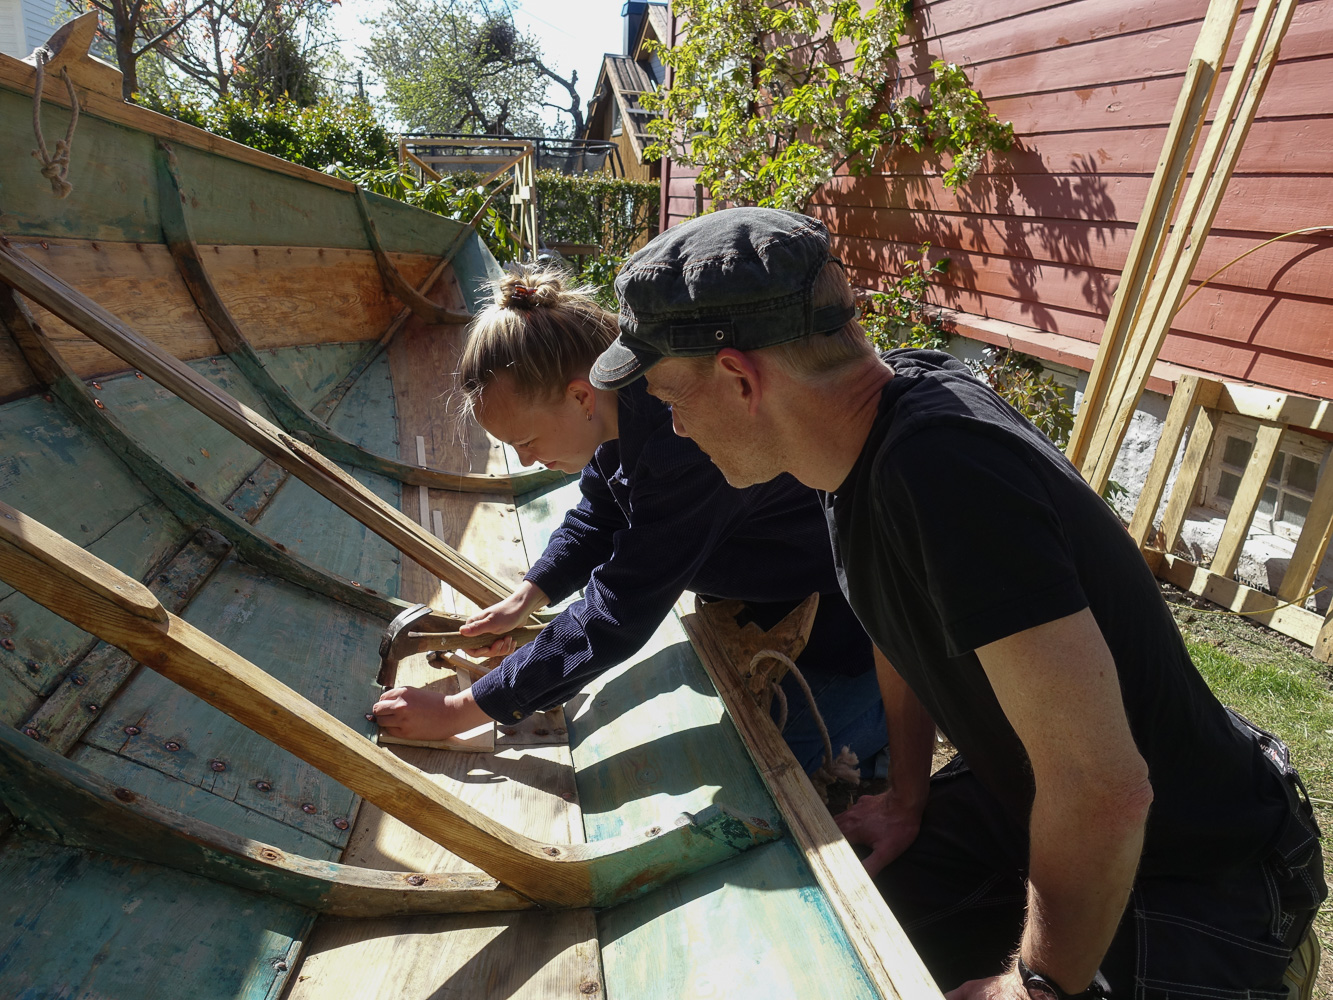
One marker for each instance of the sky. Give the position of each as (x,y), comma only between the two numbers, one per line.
(574,35)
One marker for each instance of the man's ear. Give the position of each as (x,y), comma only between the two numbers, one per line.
(739,369)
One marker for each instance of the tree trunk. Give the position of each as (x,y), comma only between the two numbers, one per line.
(125,57)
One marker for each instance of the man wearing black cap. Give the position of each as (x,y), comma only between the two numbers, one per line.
(1108,826)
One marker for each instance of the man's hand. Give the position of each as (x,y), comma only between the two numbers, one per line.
(882,823)
(503,617)
(1005,987)
(411,713)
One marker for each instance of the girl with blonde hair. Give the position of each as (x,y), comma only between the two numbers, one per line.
(656,518)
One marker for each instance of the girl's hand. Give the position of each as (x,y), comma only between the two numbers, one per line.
(502,617)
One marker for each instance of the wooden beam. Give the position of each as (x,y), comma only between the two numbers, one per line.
(1191,392)
(890,962)
(1150,235)
(394,282)
(1312,543)
(303,462)
(1301,625)
(1246,502)
(1231,124)
(76,587)
(64,802)
(291,414)
(1302,412)
(1202,432)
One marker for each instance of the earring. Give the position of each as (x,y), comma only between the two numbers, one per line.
(589,416)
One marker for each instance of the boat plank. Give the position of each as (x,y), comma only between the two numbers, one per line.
(74,922)
(324,650)
(309,372)
(651,739)
(533,955)
(530,790)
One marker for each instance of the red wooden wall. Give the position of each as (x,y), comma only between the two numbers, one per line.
(1039,237)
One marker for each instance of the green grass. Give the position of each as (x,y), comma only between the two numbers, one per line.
(1276,685)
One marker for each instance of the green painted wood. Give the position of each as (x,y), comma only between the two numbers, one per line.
(78,924)
(184,440)
(115,194)
(45,645)
(310,372)
(201,804)
(93,681)
(326,651)
(61,801)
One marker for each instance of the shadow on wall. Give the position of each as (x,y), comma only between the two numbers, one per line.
(1016,214)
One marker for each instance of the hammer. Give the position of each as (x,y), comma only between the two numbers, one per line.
(422,629)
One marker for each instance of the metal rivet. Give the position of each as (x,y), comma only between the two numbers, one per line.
(93,707)
(124,794)
(231,506)
(138,374)
(416,880)
(280,965)
(341,823)
(99,404)
(218,765)
(31,733)
(541,732)
(46,396)
(171,745)
(508,731)
(250,480)
(78,680)
(270,854)
(7,643)
(552,851)
(309,808)
(653,831)
(588,987)
(567,796)
(561,731)
(97,385)
(263,786)
(32,665)
(132,730)
(370,716)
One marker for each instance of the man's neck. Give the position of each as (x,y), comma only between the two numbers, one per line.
(829,424)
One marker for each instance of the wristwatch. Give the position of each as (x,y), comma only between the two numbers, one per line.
(1041,988)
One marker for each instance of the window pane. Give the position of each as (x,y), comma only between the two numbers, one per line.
(1302,474)
(1294,510)
(1227,485)
(1275,470)
(1237,452)
(1268,501)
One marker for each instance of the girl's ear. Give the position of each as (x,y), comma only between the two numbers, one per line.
(580,390)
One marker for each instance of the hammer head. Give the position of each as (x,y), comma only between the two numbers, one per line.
(395,643)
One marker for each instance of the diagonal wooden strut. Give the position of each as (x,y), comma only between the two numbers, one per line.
(300,460)
(290,413)
(96,597)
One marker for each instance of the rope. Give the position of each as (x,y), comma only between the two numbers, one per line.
(845,767)
(54,168)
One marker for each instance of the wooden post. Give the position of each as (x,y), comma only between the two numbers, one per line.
(1248,494)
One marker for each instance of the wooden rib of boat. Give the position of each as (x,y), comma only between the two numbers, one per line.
(228,458)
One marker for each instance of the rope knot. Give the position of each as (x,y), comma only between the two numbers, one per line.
(54,167)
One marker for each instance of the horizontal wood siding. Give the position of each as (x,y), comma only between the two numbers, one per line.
(1038,237)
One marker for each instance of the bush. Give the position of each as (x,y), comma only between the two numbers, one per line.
(329,132)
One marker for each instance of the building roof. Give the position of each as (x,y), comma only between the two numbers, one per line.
(622,81)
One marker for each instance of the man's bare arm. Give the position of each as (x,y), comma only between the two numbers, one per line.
(1058,686)
(889,823)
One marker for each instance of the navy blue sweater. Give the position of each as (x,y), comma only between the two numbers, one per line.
(656,518)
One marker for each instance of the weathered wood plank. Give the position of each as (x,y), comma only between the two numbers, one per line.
(1183,491)
(1191,392)
(573,875)
(301,461)
(61,801)
(523,956)
(1253,482)
(75,921)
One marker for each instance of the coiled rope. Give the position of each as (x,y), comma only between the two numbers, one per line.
(55,168)
(845,767)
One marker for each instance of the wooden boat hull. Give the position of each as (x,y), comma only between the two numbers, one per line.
(153,845)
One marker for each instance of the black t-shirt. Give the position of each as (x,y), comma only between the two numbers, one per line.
(961,524)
